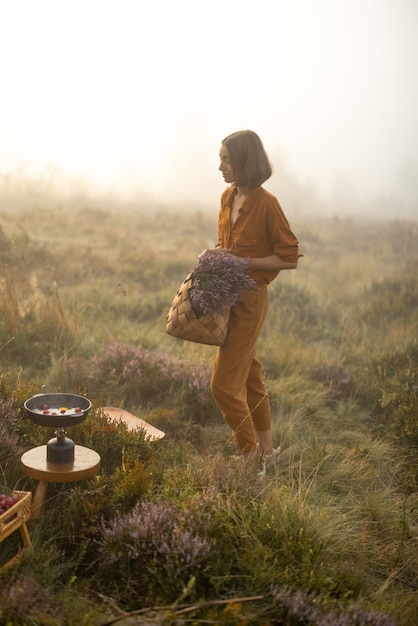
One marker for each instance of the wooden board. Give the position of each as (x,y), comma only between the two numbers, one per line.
(132,421)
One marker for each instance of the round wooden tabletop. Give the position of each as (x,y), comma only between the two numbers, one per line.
(86,464)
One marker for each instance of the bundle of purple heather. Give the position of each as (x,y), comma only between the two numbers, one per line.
(219,280)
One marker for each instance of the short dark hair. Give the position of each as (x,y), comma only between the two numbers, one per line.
(248,158)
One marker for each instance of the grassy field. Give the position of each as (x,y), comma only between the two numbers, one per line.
(176,531)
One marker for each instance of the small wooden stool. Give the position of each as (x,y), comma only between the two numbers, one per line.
(33,463)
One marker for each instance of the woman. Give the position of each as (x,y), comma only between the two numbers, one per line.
(251,225)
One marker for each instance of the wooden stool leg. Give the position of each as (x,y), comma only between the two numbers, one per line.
(24,533)
(39,499)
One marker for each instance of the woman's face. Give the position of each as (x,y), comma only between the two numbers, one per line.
(225,166)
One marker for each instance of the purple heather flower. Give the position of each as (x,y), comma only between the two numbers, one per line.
(218,281)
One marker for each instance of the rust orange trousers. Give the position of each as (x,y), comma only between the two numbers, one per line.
(237,384)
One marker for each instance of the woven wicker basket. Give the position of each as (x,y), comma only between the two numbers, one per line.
(17,514)
(15,519)
(182,322)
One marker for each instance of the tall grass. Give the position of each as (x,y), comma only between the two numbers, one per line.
(178,531)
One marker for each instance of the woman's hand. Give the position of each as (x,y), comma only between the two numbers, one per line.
(217,250)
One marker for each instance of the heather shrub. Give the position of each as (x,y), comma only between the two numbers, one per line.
(24,597)
(130,484)
(138,376)
(155,552)
(25,600)
(116,444)
(77,512)
(133,376)
(299,608)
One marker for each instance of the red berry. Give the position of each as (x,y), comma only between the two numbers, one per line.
(45,411)
(45,407)
(77,409)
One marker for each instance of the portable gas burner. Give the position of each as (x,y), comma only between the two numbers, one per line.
(58,410)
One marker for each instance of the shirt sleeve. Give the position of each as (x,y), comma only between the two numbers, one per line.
(283,241)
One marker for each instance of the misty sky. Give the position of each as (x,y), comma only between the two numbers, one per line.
(132,95)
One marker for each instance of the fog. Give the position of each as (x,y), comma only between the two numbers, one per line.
(131,99)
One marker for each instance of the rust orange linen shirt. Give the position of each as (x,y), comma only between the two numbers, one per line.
(260,230)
